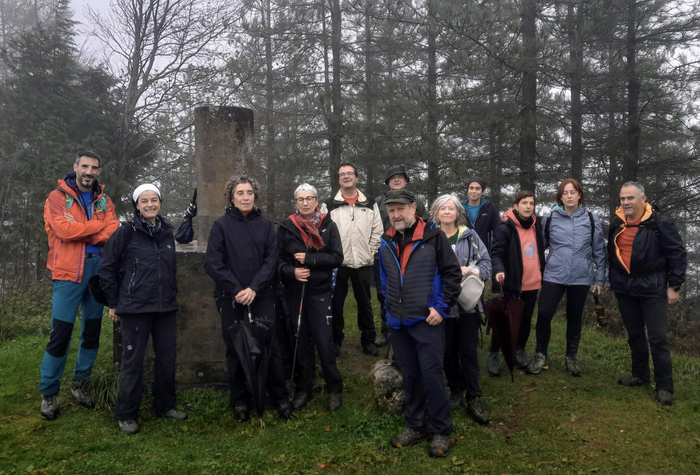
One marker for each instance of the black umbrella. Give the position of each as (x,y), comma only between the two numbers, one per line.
(504,315)
(253,343)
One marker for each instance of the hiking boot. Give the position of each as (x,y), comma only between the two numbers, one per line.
(409,437)
(241,413)
(440,446)
(82,394)
(664,397)
(335,401)
(492,366)
(370,349)
(173,414)
(475,408)
(571,366)
(520,359)
(632,381)
(301,399)
(538,362)
(129,427)
(380,341)
(50,407)
(456,400)
(284,410)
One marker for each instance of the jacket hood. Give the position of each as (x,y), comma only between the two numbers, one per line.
(510,214)
(361,198)
(463,232)
(68,184)
(647,213)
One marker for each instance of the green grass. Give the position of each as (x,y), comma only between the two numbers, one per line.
(540,424)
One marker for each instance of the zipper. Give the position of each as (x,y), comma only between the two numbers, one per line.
(133,277)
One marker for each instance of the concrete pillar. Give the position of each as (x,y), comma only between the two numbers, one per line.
(223,141)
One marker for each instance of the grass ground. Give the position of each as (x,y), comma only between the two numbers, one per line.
(540,424)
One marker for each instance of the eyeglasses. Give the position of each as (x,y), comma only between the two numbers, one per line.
(341,175)
(308,199)
(572,193)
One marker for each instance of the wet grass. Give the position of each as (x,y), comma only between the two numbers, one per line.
(540,424)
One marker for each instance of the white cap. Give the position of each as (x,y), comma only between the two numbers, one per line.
(145,187)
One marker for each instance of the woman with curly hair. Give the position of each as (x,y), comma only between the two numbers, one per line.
(242,259)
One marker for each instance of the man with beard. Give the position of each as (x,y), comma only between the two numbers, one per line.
(421,280)
(79,219)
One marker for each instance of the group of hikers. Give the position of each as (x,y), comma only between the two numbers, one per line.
(425,264)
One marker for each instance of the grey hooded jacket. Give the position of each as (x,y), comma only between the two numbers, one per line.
(574,258)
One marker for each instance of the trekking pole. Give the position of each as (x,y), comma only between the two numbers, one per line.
(296,336)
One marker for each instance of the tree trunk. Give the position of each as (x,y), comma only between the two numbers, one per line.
(575,21)
(336,114)
(528,112)
(432,125)
(271,152)
(631,166)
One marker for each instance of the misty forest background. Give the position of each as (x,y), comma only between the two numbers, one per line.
(523,93)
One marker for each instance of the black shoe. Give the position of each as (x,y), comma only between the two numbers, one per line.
(664,397)
(284,410)
(173,414)
(301,399)
(241,413)
(440,446)
(476,410)
(381,341)
(50,407)
(370,349)
(82,393)
(632,381)
(335,401)
(571,366)
(129,427)
(456,400)
(409,437)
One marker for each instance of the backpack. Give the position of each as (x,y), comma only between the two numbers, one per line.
(551,216)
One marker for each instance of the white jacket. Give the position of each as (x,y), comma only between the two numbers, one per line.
(360,228)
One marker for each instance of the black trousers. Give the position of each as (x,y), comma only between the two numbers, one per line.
(262,308)
(549,300)
(315,333)
(420,351)
(360,278)
(136,329)
(650,313)
(380,296)
(461,361)
(530,298)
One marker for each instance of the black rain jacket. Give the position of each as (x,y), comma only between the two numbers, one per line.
(137,269)
(242,253)
(658,261)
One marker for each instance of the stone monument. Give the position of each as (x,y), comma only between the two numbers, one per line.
(223,140)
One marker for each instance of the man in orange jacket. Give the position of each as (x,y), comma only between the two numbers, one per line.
(79,219)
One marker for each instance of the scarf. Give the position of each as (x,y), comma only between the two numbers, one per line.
(152,228)
(526,223)
(309,228)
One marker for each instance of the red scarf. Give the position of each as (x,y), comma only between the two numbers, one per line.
(308,228)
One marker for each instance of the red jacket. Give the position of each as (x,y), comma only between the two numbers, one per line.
(67,240)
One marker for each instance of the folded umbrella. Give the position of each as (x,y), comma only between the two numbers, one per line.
(504,315)
(253,344)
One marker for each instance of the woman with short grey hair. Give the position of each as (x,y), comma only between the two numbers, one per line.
(462,333)
(310,248)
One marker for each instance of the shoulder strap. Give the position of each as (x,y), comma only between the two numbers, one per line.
(590,216)
(69,201)
(546,229)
